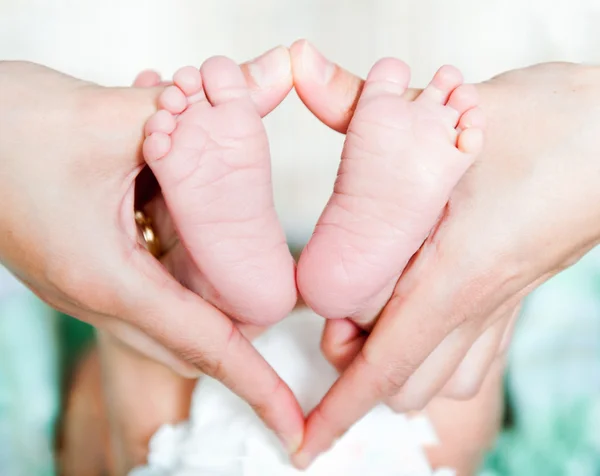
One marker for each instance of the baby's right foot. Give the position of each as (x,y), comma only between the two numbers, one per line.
(400,163)
(208,149)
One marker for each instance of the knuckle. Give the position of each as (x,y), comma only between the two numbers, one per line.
(328,420)
(199,359)
(482,289)
(261,405)
(391,375)
(395,376)
(211,359)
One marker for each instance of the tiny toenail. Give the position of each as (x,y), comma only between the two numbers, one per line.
(321,68)
(271,68)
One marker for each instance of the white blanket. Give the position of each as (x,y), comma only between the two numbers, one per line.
(224,437)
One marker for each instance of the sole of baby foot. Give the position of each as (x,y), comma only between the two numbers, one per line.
(400,162)
(208,149)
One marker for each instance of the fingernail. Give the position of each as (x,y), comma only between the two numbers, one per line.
(320,67)
(302,460)
(271,68)
(292,443)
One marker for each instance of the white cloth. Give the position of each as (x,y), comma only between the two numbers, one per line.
(224,437)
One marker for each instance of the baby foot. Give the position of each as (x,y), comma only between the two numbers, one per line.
(208,149)
(400,163)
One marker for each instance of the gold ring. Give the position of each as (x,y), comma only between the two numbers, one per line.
(148,234)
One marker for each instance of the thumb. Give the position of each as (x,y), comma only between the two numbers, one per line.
(204,337)
(341,342)
(327,90)
(269,78)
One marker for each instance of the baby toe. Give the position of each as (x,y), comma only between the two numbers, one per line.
(189,80)
(463,98)
(470,141)
(445,80)
(162,121)
(173,100)
(473,117)
(156,146)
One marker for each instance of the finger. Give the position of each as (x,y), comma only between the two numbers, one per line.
(341,341)
(328,91)
(436,295)
(204,337)
(509,331)
(466,429)
(142,395)
(133,337)
(472,371)
(429,378)
(475,347)
(269,78)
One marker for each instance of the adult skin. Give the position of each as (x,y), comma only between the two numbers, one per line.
(496,226)
(69,158)
(529,208)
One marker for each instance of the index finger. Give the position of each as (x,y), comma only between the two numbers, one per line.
(435,296)
(394,350)
(203,336)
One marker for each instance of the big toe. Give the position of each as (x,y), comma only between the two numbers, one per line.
(224,81)
(388,76)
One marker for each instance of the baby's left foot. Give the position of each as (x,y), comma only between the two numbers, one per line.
(400,163)
(209,151)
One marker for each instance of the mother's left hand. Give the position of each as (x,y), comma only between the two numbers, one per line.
(528,209)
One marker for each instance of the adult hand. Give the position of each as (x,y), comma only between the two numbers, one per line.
(528,209)
(141,394)
(69,158)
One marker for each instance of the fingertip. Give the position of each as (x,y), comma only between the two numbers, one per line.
(270,69)
(269,78)
(327,90)
(341,341)
(302,460)
(297,46)
(309,62)
(459,390)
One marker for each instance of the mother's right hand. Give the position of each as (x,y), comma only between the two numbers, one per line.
(526,210)
(69,158)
